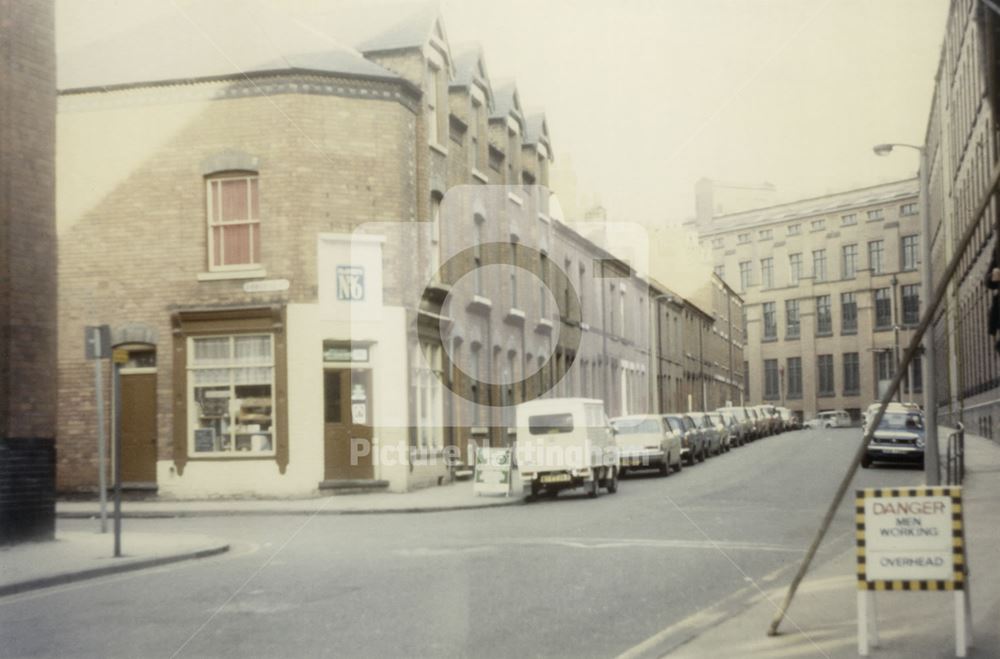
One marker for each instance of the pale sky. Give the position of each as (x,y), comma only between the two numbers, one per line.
(644,97)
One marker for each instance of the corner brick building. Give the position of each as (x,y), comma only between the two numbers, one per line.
(313,233)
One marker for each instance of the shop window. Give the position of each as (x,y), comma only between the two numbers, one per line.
(231,389)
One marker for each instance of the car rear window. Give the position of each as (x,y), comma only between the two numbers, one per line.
(634,426)
(676,423)
(550,424)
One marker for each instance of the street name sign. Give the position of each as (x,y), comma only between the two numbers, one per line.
(910,539)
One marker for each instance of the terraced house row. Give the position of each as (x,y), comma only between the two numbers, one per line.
(329,248)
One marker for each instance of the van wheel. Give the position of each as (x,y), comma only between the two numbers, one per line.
(612,483)
(536,489)
(595,488)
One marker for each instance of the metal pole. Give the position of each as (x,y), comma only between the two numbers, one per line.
(918,335)
(895,332)
(118,455)
(102,478)
(932,473)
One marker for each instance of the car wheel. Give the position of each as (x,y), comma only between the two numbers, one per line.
(665,467)
(702,454)
(866,462)
(680,463)
(612,483)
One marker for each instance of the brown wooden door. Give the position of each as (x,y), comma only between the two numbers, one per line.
(348,397)
(138,418)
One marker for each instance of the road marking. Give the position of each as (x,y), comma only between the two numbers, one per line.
(591,543)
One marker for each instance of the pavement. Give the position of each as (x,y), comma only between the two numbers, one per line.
(822,618)
(454,496)
(79,556)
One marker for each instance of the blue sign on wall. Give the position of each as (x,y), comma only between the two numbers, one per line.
(350,283)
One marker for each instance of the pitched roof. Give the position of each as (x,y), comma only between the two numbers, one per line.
(506,100)
(536,129)
(371,27)
(470,67)
(211,39)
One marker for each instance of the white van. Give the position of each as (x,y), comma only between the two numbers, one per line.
(564,443)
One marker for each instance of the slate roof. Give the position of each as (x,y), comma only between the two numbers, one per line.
(212,39)
(505,99)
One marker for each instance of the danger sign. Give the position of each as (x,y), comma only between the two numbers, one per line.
(910,539)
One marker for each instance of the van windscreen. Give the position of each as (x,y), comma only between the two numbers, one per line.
(550,424)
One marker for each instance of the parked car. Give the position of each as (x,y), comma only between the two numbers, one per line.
(710,432)
(777,423)
(891,407)
(737,429)
(692,440)
(767,426)
(788,419)
(740,418)
(564,443)
(647,441)
(831,419)
(899,437)
(726,431)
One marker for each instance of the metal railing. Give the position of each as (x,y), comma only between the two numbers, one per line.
(955,464)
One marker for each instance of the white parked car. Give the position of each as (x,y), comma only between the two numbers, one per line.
(833,419)
(646,441)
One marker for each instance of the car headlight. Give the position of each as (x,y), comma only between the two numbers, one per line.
(920,442)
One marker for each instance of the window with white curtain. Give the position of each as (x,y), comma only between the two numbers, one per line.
(231,394)
(233,221)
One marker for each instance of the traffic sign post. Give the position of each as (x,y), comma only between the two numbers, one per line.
(97,346)
(911,539)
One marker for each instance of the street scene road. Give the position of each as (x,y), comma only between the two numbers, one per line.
(557,577)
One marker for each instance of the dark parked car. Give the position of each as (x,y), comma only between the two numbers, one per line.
(710,433)
(692,439)
(744,424)
(898,438)
(722,427)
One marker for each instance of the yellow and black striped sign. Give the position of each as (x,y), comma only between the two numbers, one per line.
(900,503)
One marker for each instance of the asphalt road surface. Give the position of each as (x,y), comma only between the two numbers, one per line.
(570,576)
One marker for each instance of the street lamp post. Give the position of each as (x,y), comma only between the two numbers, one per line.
(895,334)
(931,458)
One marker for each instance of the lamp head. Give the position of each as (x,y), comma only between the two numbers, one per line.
(882,149)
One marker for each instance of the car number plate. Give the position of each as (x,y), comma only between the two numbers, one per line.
(893,450)
(555,478)
(633,462)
